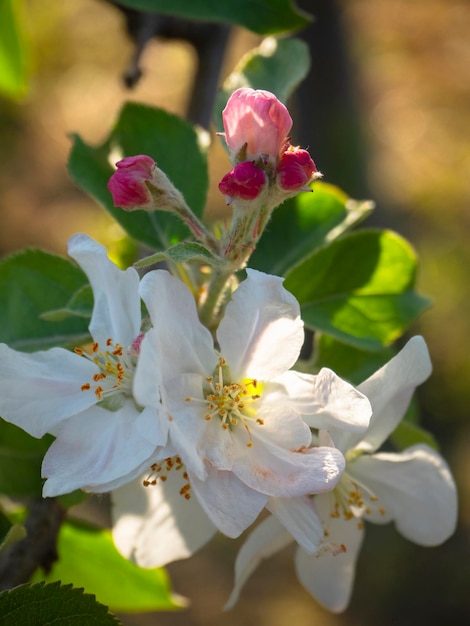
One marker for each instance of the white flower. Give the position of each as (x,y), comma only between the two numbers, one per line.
(413,488)
(235,413)
(84,398)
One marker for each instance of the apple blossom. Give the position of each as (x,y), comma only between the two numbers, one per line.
(413,488)
(84,398)
(235,412)
(295,169)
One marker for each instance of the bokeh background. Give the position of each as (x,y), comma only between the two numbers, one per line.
(385,112)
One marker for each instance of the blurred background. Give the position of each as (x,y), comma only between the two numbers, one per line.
(385,112)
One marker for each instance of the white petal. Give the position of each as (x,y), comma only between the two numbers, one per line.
(281,473)
(282,425)
(97,447)
(38,391)
(182,343)
(148,372)
(390,390)
(116,311)
(299,517)
(266,539)
(261,333)
(325,401)
(416,488)
(329,576)
(229,503)
(155,525)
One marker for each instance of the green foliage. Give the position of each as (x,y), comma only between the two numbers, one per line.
(277,65)
(20,461)
(13,50)
(45,605)
(33,282)
(359,289)
(304,223)
(79,305)
(261,16)
(175,146)
(347,361)
(89,559)
(182,252)
(406,435)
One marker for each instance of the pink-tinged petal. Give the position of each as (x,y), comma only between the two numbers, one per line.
(281,473)
(127,184)
(116,311)
(261,333)
(148,372)
(259,120)
(39,391)
(265,540)
(416,488)
(329,577)
(390,390)
(244,181)
(228,502)
(299,517)
(183,343)
(295,169)
(325,401)
(155,525)
(99,447)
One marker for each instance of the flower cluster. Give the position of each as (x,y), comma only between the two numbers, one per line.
(256,128)
(199,427)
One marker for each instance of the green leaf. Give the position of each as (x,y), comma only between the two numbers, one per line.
(347,361)
(33,282)
(20,461)
(301,225)
(277,65)
(15,533)
(48,605)
(175,146)
(181,253)
(88,558)
(409,434)
(260,16)
(13,50)
(79,305)
(359,289)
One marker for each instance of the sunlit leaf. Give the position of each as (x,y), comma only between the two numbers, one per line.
(88,558)
(359,289)
(301,225)
(13,50)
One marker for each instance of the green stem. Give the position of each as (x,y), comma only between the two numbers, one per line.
(208,312)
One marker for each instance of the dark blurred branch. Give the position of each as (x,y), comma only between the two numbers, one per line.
(19,561)
(208,40)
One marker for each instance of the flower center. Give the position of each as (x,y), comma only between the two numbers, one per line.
(160,471)
(351,499)
(232,403)
(115,370)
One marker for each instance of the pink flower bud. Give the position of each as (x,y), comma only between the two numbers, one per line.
(244,181)
(295,169)
(127,184)
(257,119)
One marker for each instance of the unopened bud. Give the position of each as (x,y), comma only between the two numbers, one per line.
(128,183)
(295,169)
(245,182)
(256,123)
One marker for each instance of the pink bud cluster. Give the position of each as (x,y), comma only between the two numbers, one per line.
(256,128)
